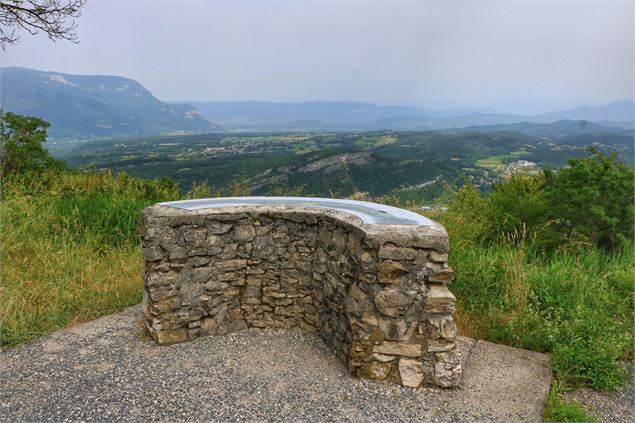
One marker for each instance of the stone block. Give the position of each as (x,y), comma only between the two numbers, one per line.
(439,299)
(398,348)
(410,372)
(396,253)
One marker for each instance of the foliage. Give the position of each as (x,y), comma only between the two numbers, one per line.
(522,276)
(201,190)
(593,197)
(417,167)
(589,202)
(518,208)
(576,303)
(21,150)
(545,263)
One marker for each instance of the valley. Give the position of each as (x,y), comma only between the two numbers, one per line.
(409,167)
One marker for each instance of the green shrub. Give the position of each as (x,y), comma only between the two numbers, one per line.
(593,197)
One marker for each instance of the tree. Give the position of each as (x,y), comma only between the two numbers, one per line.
(56,18)
(593,197)
(21,150)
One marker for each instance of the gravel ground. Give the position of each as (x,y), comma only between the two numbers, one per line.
(608,407)
(105,371)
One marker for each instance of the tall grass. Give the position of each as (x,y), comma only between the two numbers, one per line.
(70,249)
(578,306)
(574,302)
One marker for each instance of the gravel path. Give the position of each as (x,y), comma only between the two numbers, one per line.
(608,407)
(105,371)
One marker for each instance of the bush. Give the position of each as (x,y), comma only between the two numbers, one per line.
(545,263)
(590,202)
(593,197)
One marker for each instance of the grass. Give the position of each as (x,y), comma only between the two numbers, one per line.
(70,250)
(491,162)
(575,304)
(558,410)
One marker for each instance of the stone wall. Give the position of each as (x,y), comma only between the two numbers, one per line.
(376,294)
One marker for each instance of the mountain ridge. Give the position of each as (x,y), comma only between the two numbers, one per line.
(85,107)
(95,106)
(351,115)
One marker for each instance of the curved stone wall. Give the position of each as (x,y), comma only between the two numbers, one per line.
(376,294)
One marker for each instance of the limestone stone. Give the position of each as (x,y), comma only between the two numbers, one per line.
(244,233)
(198,275)
(152,253)
(390,301)
(447,369)
(375,370)
(230,265)
(444,275)
(219,228)
(370,319)
(198,261)
(398,348)
(410,372)
(439,299)
(438,257)
(167,337)
(195,238)
(393,329)
(390,272)
(442,327)
(161,278)
(441,345)
(177,252)
(396,253)
(161,292)
(384,358)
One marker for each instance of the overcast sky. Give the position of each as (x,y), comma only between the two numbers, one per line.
(522,56)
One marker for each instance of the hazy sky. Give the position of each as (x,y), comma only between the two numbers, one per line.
(519,55)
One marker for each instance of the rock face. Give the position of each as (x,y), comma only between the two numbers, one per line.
(376,294)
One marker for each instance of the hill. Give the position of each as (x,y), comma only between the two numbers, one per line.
(95,106)
(621,110)
(358,116)
(561,128)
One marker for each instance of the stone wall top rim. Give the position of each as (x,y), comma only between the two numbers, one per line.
(369,212)
(433,235)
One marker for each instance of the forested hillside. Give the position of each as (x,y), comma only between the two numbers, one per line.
(417,167)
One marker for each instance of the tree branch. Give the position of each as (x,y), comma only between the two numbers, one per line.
(48,16)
